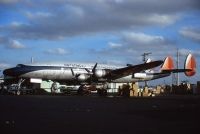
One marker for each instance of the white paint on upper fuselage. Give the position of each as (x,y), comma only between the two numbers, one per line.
(78,65)
(63,72)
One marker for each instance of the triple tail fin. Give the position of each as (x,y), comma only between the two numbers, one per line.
(189,67)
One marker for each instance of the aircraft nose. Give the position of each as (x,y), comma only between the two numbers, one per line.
(8,72)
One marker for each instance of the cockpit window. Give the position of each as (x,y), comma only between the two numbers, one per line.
(20,65)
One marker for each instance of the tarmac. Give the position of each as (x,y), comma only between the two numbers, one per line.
(33,114)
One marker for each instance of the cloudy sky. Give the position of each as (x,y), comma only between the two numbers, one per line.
(104,31)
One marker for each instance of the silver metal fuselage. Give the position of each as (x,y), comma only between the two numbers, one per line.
(63,72)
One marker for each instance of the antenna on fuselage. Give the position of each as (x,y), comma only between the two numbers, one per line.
(177,64)
(144,55)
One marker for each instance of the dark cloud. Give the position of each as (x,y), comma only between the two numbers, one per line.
(184,52)
(57,19)
(192,33)
(132,45)
(9,1)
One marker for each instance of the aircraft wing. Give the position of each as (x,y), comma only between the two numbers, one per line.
(122,72)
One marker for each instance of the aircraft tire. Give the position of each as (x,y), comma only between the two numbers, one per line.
(102,92)
(18,92)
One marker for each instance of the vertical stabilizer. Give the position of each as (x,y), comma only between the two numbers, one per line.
(168,64)
(190,63)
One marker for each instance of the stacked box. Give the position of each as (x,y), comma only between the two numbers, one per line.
(134,90)
(198,87)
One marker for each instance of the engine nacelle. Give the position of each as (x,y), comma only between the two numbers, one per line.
(140,75)
(99,73)
(83,77)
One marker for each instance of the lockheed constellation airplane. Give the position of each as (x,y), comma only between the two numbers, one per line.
(84,73)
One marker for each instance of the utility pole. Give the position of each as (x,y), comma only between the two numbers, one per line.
(177,64)
(144,55)
(32,60)
(175,76)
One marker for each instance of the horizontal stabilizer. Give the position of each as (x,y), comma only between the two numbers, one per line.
(175,71)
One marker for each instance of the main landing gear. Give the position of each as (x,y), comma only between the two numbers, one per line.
(102,92)
(18,87)
(54,87)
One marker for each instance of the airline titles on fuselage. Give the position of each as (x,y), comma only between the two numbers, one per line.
(74,65)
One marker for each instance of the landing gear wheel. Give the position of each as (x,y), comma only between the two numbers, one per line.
(80,90)
(102,92)
(54,87)
(18,92)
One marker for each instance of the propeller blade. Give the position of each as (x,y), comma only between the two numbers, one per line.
(87,70)
(77,75)
(94,68)
(72,72)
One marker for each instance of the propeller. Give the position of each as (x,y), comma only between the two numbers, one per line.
(92,73)
(82,77)
(93,70)
(73,74)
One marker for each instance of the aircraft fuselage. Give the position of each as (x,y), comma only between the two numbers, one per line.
(66,72)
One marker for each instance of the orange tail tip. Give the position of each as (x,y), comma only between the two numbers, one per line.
(168,64)
(190,63)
